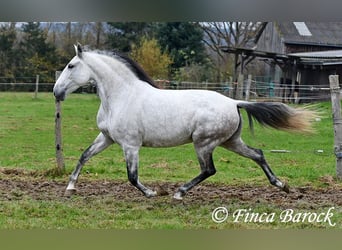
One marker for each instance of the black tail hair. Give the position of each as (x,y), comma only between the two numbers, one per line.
(277,115)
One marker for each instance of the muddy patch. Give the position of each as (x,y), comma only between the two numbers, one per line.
(16,184)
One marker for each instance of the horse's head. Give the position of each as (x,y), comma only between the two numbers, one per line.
(75,74)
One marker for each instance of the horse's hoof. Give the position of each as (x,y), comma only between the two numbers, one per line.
(69,192)
(286,188)
(150,193)
(178,196)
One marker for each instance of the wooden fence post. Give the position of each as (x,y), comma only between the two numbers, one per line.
(230,87)
(37,86)
(239,87)
(58,135)
(248,87)
(337,121)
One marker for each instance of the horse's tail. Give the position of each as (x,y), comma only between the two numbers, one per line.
(279,116)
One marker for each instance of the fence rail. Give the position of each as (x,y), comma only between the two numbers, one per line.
(256,89)
(43,87)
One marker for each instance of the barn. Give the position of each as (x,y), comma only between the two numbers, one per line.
(298,56)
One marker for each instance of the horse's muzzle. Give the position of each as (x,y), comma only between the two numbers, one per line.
(59,95)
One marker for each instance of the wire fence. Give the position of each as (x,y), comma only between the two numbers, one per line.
(280,92)
(4,79)
(259,88)
(265,90)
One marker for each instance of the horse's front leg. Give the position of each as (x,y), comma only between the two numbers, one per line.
(100,143)
(132,163)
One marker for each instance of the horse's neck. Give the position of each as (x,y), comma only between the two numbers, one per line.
(114,80)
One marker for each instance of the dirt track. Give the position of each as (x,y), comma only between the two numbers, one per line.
(17,184)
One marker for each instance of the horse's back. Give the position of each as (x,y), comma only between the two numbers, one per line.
(172,117)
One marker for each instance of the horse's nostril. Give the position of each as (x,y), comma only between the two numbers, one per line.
(60,96)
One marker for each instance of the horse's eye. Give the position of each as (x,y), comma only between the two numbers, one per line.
(70,66)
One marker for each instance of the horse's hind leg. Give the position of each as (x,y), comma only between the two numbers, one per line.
(205,158)
(238,146)
(100,143)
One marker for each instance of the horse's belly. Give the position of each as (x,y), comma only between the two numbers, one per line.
(163,138)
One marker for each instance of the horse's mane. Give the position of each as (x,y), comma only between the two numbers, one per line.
(133,65)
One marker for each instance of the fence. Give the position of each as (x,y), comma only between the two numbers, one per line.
(4,79)
(42,87)
(258,87)
(337,121)
(251,87)
(261,88)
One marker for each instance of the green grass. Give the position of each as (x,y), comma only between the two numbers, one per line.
(27,142)
(161,213)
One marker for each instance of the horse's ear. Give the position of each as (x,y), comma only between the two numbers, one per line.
(78,50)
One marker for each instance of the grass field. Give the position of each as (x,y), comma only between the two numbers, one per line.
(27,144)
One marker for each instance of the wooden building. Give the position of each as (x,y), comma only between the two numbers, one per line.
(293,37)
(302,52)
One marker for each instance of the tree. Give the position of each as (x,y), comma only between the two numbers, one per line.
(7,50)
(123,35)
(39,57)
(98,30)
(149,55)
(231,34)
(64,35)
(183,41)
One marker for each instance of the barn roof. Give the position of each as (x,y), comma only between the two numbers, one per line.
(312,33)
(330,57)
(328,54)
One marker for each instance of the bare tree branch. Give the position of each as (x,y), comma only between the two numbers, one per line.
(231,34)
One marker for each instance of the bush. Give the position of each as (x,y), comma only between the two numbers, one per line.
(149,55)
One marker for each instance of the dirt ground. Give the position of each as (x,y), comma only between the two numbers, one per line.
(15,184)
